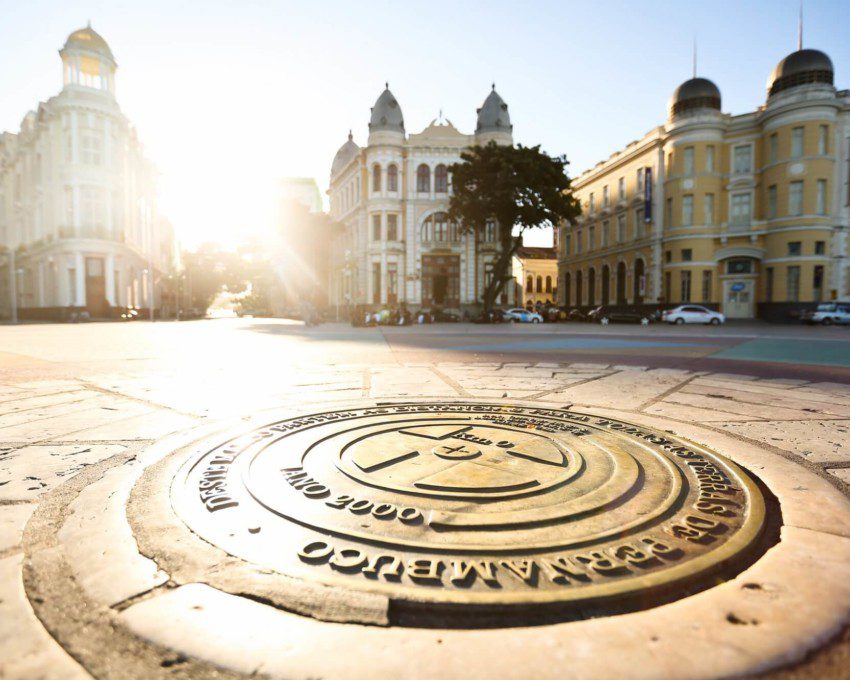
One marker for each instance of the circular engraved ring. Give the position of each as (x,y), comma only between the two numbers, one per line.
(475,505)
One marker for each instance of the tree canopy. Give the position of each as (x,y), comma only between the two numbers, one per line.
(519,188)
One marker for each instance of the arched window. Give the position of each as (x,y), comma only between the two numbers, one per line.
(441,179)
(529,284)
(539,284)
(423,179)
(392,178)
(490,231)
(438,227)
(376,177)
(548,284)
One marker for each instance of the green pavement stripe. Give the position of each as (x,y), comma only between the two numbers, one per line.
(790,352)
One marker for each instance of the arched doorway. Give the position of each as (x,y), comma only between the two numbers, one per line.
(621,283)
(591,287)
(639,282)
(567,289)
(606,285)
(578,289)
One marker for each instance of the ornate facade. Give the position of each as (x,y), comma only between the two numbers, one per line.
(78,212)
(746,213)
(391,198)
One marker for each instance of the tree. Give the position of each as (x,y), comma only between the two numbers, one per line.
(520,188)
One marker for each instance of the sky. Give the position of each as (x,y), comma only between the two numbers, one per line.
(230,97)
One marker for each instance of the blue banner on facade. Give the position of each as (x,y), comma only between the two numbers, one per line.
(647,195)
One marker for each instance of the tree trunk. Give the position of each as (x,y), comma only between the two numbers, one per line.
(501,273)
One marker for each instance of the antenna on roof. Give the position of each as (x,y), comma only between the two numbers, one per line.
(800,28)
(695,58)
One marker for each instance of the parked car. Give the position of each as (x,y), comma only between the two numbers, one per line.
(828,313)
(692,314)
(522,315)
(606,315)
(495,316)
(576,315)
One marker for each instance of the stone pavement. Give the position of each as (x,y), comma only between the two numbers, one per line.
(56,431)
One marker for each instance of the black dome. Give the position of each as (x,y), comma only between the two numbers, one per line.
(696,93)
(800,68)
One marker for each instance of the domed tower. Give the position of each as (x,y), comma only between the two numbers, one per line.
(803,67)
(87,61)
(344,155)
(494,121)
(386,125)
(694,96)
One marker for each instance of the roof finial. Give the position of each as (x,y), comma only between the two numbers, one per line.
(88,24)
(387,84)
(695,58)
(800,28)
(350,136)
(494,86)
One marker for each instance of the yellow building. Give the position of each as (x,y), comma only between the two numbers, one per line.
(746,213)
(535,272)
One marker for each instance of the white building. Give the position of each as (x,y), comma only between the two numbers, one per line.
(391,197)
(77,199)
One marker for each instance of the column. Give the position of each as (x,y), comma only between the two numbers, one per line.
(80,265)
(109,280)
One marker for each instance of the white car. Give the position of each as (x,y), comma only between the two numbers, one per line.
(522,315)
(692,314)
(828,313)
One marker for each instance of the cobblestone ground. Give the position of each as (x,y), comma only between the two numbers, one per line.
(63,410)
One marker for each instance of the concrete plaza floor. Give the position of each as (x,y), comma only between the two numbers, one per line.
(74,396)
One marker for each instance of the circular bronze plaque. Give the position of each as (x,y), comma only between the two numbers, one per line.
(471,505)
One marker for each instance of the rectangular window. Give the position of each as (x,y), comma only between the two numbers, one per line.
(668,285)
(686,286)
(621,228)
(689,160)
(591,204)
(743,159)
(621,189)
(640,179)
(392,227)
(639,223)
(392,283)
(795,198)
(821,197)
(768,286)
(823,140)
(773,148)
(92,209)
(708,209)
(376,283)
(709,158)
(688,210)
(605,196)
(795,248)
(591,238)
(817,282)
(668,217)
(578,241)
(820,247)
(741,210)
(797,142)
(668,256)
(376,227)
(567,244)
(771,202)
(706,285)
(687,255)
(605,226)
(792,284)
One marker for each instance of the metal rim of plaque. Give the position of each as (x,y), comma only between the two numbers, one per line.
(474,505)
